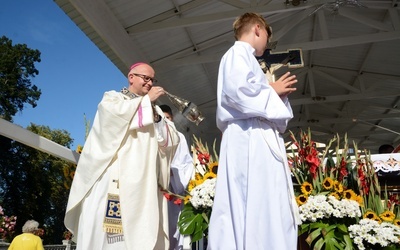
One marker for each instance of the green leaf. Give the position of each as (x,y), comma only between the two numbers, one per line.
(319,244)
(348,242)
(328,237)
(303,228)
(313,235)
(319,225)
(198,234)
(189,220)
(192,222)
(332,244)
(328,230)
(343,228)
(391,247)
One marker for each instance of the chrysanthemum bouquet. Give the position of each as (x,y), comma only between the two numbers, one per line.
(196,212)
(334,192)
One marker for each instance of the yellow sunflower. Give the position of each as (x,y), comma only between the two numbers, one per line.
(336,195)
(396,222)
(328,183)
(198,176)
(338,186)
(370,215)
(191,185)
(360,200)
(306,188)
(213,167)
(209,175)
(387,216)
(186,199)
(349,194)
(79,149)
(199,182)
(301,199)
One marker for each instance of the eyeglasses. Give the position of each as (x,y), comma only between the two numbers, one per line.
(146,78)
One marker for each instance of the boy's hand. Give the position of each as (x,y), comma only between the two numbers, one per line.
(283,86)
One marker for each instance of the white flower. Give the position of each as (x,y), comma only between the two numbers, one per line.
(370,231)
(321,206)
(202,196)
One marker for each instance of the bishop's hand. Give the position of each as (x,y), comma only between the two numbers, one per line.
(155,93)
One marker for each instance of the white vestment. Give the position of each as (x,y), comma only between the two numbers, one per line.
(181,173)
(127,147)
(254,206)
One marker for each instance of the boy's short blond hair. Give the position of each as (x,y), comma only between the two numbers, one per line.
(244,23)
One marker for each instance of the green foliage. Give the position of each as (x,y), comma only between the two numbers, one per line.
(31,185)
(16,69)
(194,218)
(31,182)
(326,236)
(192,222)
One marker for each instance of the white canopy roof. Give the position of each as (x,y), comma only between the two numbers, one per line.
(350,81)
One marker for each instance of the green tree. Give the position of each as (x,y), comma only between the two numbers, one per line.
(33,184)
(17,67)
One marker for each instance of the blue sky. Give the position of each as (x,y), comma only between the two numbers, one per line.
(73,72)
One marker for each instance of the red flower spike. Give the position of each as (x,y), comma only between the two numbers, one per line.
(178,201)
(168,196)
(204,158)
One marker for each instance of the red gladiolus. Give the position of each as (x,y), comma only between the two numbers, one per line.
(313,151)
(343,170)
(168,196)
(290,163)
(343,173)
(312,160)
(361,179)
(178,201)
(393,200)
(313,171)
(203,158)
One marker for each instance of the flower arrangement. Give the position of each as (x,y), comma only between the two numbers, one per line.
(338,195)
(7,226)
(380,222)
(198,202)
